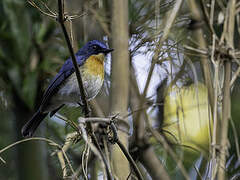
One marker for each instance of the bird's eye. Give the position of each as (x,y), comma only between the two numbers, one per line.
(94,47)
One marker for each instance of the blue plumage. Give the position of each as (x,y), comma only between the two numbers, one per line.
(56,95)
(66,70)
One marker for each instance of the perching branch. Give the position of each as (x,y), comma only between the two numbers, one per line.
(61,20)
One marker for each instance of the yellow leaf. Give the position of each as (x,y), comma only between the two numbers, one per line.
(187,116)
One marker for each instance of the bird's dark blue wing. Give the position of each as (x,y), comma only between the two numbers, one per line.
(66,70)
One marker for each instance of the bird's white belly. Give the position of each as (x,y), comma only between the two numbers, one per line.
(69,93)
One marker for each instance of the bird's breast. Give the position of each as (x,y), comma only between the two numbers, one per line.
(92,72)
(94,65)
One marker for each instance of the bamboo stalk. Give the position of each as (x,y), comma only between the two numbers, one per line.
(119,84)
(226,111)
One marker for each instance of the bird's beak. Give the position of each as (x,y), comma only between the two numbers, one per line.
(106,51)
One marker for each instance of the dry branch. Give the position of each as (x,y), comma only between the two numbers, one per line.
(226,111)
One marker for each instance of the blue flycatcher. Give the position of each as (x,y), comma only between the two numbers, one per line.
(64,90)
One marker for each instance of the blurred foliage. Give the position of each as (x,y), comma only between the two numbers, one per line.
(22,34)
(186,117)
(27,57)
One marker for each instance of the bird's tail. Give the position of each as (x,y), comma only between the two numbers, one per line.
(30,127)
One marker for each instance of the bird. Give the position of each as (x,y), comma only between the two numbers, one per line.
(63,88)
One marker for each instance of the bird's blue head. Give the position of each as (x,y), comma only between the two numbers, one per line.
(94,47)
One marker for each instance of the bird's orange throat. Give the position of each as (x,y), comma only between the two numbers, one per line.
(94,65)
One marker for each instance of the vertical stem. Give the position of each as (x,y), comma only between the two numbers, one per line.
(226,115)
(215,111)
(120,83)
(226,112)
(212,12)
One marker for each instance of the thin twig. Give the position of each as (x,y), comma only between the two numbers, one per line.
(107,153)
(84,168)
(130,159)
(204,52)
(62,163)
(198,173)
(207,17)
(68,161)
(215,109)
(32,3)
(49,10)
(52,143)
(93,148)
(235,76)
